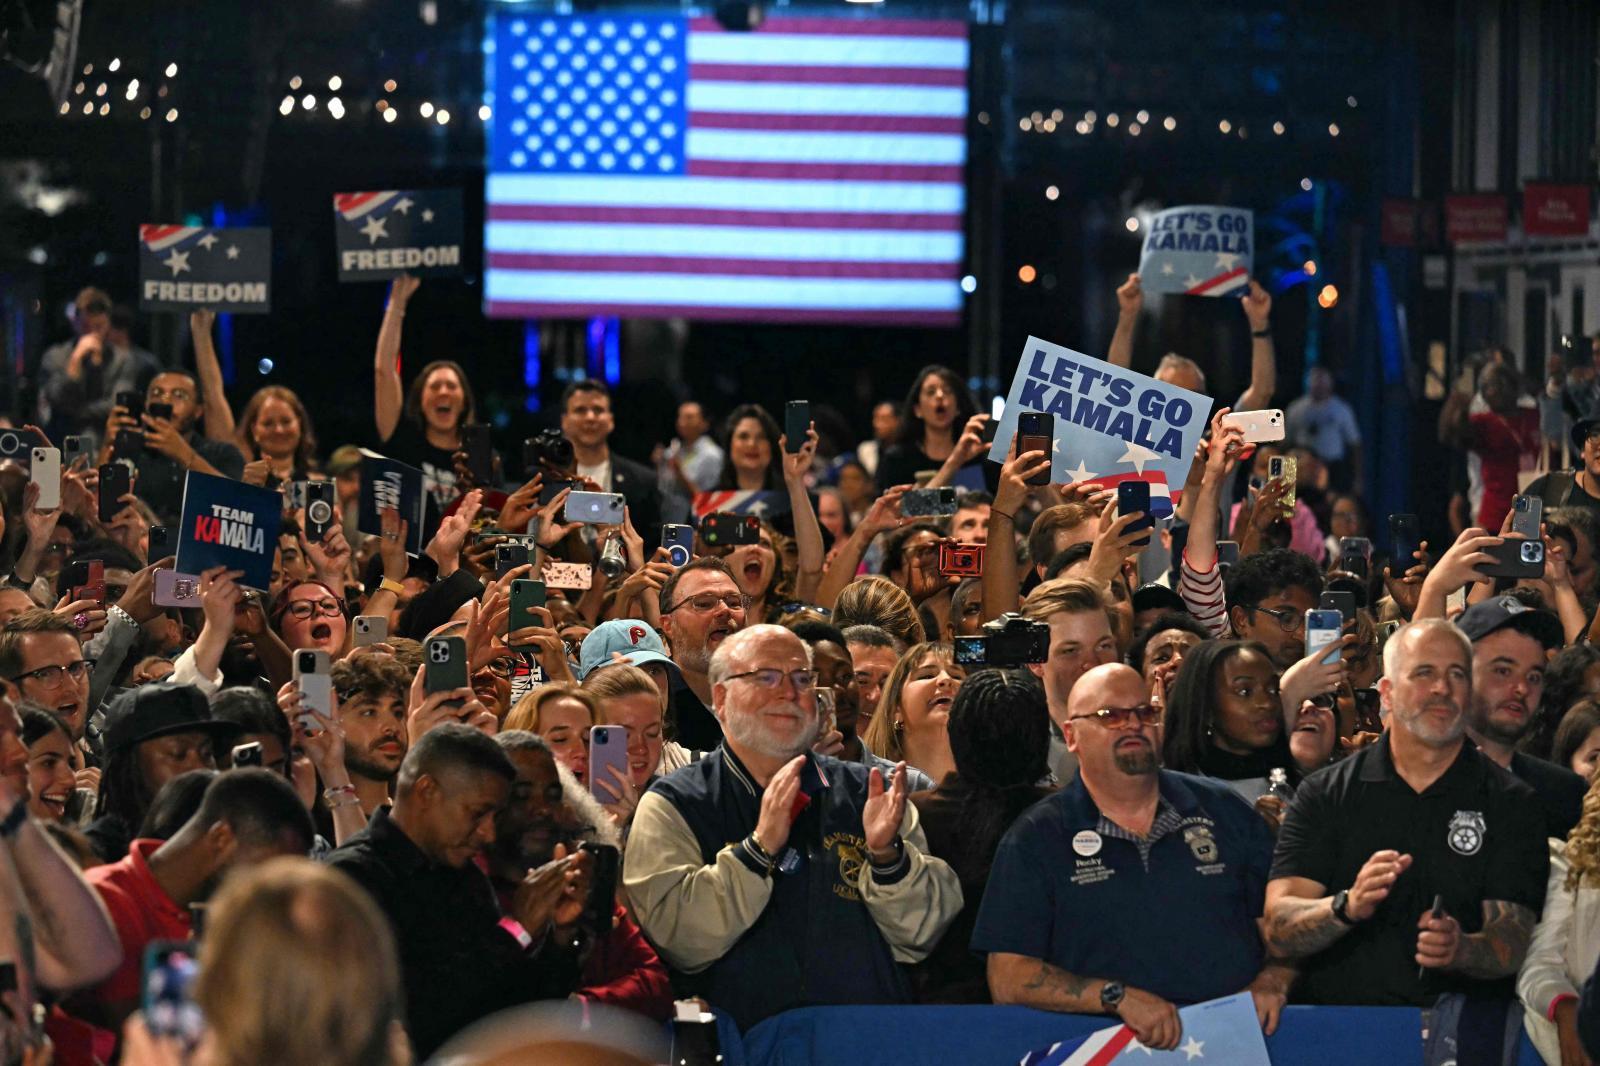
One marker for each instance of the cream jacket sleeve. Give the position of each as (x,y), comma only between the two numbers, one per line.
(692,912)
(913,910)
(1544,971)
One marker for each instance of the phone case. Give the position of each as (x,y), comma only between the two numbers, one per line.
(159,544)
(320,515)
(88,583)
(480,451)
(173,589)
(594,508)
(1405,534)
(1134,497)
(679,542)
(608,747)
(1285,467)
(1341,601)
(507,557)
(315,684)
(1036,433)
(444,664)
(115,482)
(1323,629)
(1527,514)
(723,528)
(525,595)
(567,576)
(1258,427)
(796,424)
(928,502)
(371,629)
(1510,560)
(46,473)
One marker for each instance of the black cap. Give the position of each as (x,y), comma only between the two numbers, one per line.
(1153,595)
(1581,430)
(1501,612)
(160,709)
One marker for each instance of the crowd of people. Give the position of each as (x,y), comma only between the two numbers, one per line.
(836,761)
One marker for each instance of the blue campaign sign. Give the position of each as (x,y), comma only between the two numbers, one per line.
(388,483)
(384,234)
(1199,251)
(228,523)
(182,268)
(1111,424)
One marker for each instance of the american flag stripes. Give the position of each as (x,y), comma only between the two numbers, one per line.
(810,171)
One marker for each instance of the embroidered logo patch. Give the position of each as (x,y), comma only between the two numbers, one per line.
(1201,842)
(1465,834)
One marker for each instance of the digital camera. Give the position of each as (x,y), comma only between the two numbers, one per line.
(960,560)
(548,449)
(1010,640)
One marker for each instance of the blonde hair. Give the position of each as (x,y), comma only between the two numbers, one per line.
(880,602)
(526,714)
(299,965)
(1583,845)
(1064,595)
(615,681)
(881,737)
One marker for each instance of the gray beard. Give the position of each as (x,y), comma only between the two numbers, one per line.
(747,731)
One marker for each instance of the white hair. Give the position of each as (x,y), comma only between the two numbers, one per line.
(724,661)
(1413,632)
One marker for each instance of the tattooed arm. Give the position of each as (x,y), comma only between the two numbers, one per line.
(1031,982)
(1299,915)
(1496,951)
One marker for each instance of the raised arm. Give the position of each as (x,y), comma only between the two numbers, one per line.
(1000,581)
(1455,429)
(388,396)
(1263,360)
(218,416)
(968,447)
(76,942)
(1130,301)
(807,530)
(882,517)
(1221,456)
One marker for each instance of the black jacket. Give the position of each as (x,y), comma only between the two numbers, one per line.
(458,964)
(638,484)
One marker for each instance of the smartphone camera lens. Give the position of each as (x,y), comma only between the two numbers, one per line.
(1532,552)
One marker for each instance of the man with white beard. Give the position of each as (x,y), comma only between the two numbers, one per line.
(827,886)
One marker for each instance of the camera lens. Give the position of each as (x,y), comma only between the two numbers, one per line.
(319,511)
(1532,552)
(9,444)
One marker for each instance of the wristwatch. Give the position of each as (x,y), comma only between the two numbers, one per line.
(1340,899)
(1111,994)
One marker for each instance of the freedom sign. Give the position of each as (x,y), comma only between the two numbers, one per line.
(381,235)
(183,268)
(228,523)
(1198,251)
(1111,424)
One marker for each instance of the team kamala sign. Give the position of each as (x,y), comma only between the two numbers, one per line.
(1198,251)
(182,268)
(381,235)
(228,523)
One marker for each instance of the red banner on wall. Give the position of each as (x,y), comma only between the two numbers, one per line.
(1475,217)
(1399,228)
(1555,210)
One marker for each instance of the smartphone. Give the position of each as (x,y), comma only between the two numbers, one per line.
(595,508)
(1369,714)
(1527,512)
(1355,556)
(127,444)
(507,557)
(960,560)
(173,589)
(480,452)
(444,664)
(131,402)
(1323,628)
(1037,433)
(1343,602)
(320,515)
(1258,427)
(87,580)
(1405,538)
(46,473)
(160,410)
(608,747)
(525,596)
(567,575)
(371,629)
(549,490)
(246,754)
(679,542)
(311,671)
(1227,553)
(116,481)
(167,999)
(159,544)
(602,901)
(721,529)
(73,448)
(1515,557)
(917,503)
(1133,497)
(796,424)
(1385,630)
(1284,466)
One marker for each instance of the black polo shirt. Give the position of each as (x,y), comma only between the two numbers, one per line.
(1560,791)
(1475,834)
(1173,913)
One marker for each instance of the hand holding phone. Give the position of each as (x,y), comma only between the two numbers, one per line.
(1133,497)
(796,425)
(46,473)
(1036,433)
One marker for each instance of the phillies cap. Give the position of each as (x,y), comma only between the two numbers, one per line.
(631,638)
(160,709)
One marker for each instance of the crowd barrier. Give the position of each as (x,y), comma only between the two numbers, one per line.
(1000,1036)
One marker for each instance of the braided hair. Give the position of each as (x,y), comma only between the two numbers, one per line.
(1000,737)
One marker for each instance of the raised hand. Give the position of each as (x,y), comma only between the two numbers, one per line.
(884,810)
(1130,296)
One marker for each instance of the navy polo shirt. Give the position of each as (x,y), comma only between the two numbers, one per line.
(1176,917)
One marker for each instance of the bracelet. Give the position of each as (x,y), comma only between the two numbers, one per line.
(1264,334)
(115,611)
(387,585)
(334,792)
(14,820)
(1008,517)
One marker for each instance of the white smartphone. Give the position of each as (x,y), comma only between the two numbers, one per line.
(311,670)
(1322,629)
(1258,427)
(371,629)
(47,475)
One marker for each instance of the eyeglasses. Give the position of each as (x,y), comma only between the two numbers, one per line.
(157,395)
(52,675)
(707,602)
(795,607)
(503,666)
(1288,618)
(1122,717)
(772,679)
(303,609)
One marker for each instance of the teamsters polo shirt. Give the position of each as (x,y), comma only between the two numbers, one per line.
(1173,913)
(1475,834)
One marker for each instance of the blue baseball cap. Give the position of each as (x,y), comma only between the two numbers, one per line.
(632,638)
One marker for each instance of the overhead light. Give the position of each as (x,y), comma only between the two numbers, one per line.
(1169,123)
(442,117)
(426,109)
(286,105)
(334,83)
(116,65)
(1225,126)
(172,70)
(1277,127)
(1305,184)
(294,82)
(1112,120)
(1026,273)
(389,115)
(1132,224)
(485,113)
(1051,192)
(1333,129)
(308,101)
(389,86)
(172,116)
(1328,297)
(969,284)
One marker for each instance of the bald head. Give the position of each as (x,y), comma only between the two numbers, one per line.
(1096,687)
(1107,753)
(749,645)
(760,721)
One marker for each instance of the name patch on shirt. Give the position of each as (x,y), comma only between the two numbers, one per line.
(1090,871)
